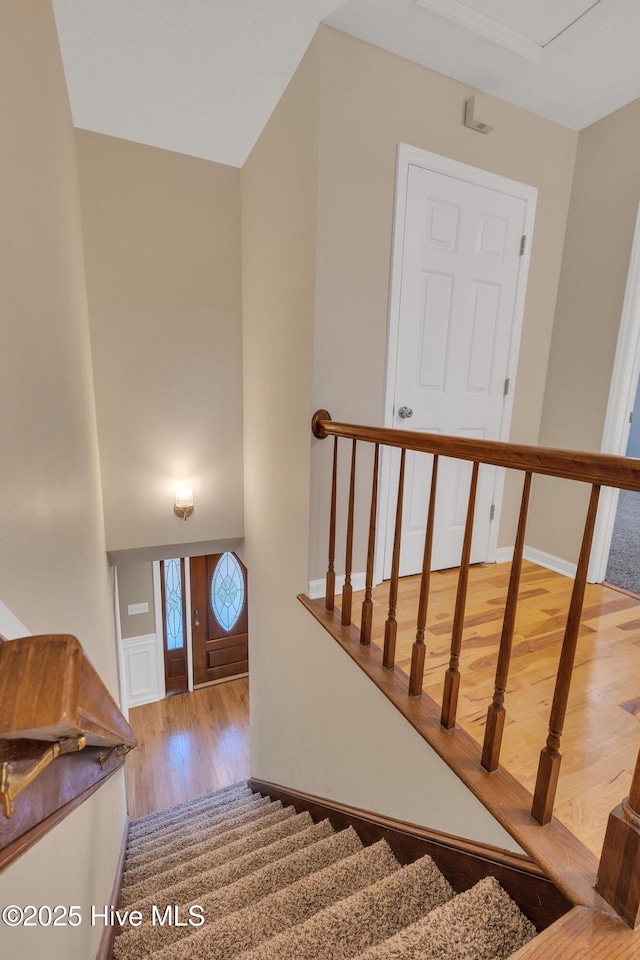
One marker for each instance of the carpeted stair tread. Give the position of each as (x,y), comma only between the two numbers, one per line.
(215,854)
(205,816)
(482,923)
(178,816)
(204,821)
(138,943)
(218,798)
(275,886)
(220,795)
(207,881)
(228,937)
(158,858)
(365,918)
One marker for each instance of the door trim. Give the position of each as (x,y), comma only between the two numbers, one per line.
(159,613)
(408,155)
(189,614)
(622,391)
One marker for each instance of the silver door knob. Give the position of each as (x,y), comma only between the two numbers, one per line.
(405,412)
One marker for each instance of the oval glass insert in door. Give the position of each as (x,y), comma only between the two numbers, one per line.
(227,592)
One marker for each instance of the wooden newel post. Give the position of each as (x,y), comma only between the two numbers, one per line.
(619,873)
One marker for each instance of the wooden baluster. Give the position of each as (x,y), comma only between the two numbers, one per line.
(496,712)
(550,757)
(367,603)
(330,590)
(452,676)
(419,649)
(347,590)
(619,872)
(391,625)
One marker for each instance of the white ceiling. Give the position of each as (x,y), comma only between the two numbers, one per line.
(202,76)
(540,20)
(197,76)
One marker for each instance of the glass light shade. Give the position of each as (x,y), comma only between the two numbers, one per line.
(183,506)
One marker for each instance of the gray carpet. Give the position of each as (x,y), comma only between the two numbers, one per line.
(623,568)
(272,885)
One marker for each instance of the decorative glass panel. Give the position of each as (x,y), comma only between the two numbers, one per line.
(227,591)
(173,618)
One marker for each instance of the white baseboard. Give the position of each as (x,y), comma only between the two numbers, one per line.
(503,554)
(557,564)
(547,560)
(316,588)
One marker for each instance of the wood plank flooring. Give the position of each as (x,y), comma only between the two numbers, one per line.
(602,730)
(188,745)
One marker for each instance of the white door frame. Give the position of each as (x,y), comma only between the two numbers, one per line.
(159,614)
(407,156)
(622,392)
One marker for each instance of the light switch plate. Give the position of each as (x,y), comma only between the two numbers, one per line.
(137,608)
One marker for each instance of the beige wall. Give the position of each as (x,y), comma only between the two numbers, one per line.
(135,585)
(604,206)
(371,100)
(53,570)
(317,723)
(162,247)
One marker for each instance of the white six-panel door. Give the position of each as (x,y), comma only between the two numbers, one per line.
(459,303)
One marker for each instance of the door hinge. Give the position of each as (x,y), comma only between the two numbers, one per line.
(523,244)
(631,417)
(506,387)
(492,512)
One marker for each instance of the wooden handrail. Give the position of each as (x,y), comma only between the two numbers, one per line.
(621,853)
(61,735)
(596,468)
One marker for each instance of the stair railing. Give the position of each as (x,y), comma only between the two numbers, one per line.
(62,735)
(619,876)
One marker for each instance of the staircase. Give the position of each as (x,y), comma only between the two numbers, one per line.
(273,885)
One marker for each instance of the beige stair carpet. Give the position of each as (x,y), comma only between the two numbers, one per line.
(275,886)
(228,937)
(365,918)
(177,819)
(212,855)
(236,868)
(199,828)
(142,870)
(219,798)
(138,943)
(482,923)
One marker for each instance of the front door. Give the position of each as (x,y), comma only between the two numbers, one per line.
(219,618)
(461,282)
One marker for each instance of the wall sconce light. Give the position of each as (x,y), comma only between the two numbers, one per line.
(183,506)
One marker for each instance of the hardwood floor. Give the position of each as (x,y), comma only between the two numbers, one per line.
(602,730)
(188,745)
